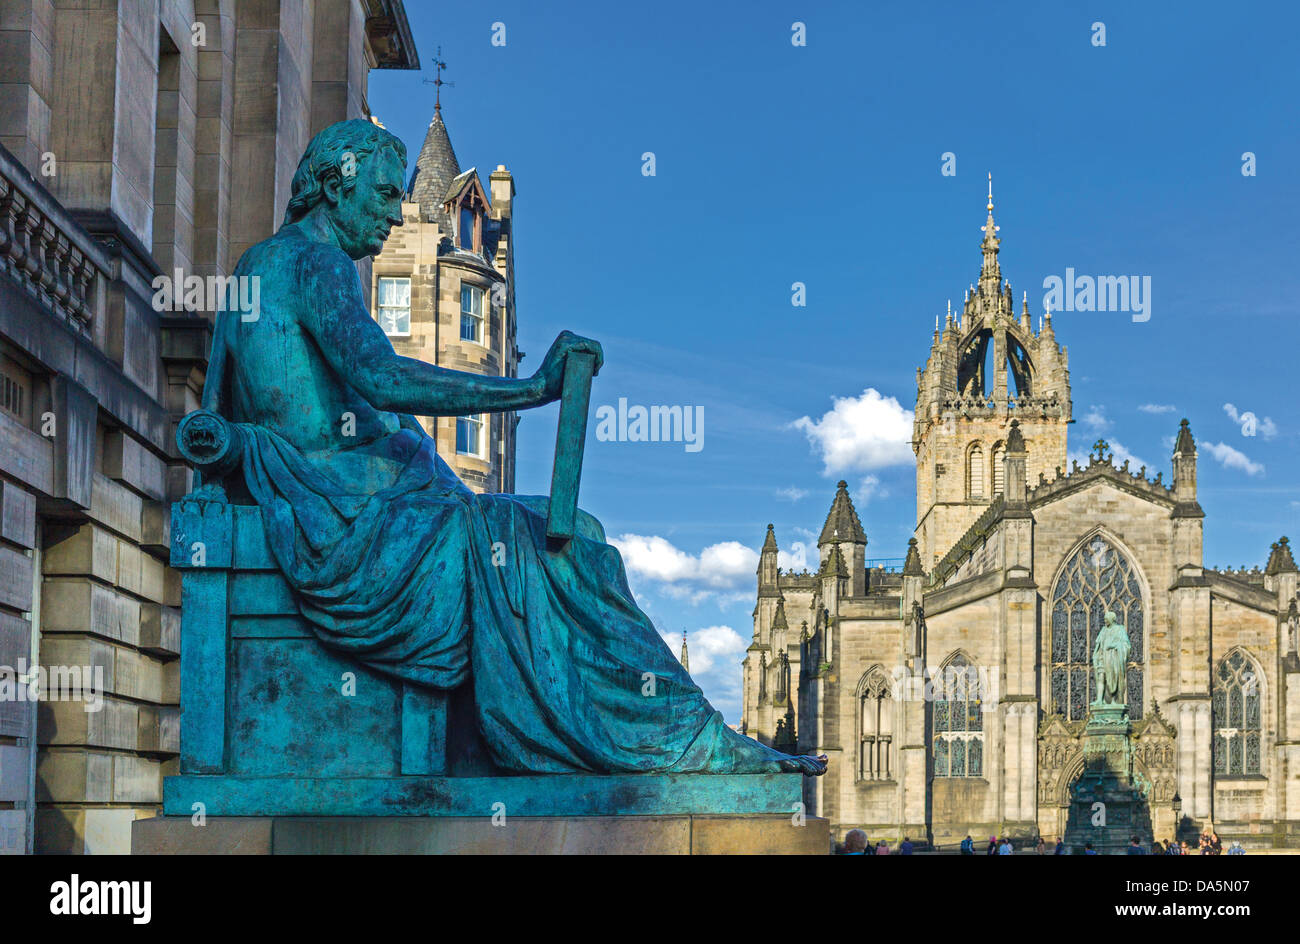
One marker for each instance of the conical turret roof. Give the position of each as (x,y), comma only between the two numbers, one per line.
(435,169)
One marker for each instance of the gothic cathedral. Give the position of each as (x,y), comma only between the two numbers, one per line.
(953,695)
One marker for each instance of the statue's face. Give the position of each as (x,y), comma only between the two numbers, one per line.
(363,216)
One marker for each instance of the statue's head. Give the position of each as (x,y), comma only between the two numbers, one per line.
(352,173)
(1110,617)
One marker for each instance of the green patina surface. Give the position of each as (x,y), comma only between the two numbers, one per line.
(355,640)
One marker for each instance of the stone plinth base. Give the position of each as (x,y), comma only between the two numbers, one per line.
(744,834)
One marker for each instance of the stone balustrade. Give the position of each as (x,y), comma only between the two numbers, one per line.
(47,252)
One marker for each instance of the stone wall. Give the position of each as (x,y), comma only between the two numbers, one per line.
(157,136)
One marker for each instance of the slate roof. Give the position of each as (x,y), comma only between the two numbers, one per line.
(435,170)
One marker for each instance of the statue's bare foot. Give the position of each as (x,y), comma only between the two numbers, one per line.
(806,764)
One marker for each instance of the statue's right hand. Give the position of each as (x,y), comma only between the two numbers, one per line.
(551,373)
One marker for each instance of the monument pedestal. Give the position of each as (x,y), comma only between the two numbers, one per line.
(703,834)
(1108,803)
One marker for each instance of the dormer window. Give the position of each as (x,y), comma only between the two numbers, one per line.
(467,204)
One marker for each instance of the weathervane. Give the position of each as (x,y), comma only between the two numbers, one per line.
(437,82)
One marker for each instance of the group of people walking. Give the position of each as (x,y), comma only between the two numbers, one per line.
(857,843)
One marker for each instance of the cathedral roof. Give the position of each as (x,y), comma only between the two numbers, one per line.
(1280,560)
(769,543)
(435,170)
(842,523)
(1184,444)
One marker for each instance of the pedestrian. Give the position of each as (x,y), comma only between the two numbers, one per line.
(968,846)
(1237,848)
(1171,848)
(1005,847)
(1060,846)
(855,843)
(993,846)
(1041,847)
(906,847)
(1135,847)
(1088,849)
(1216,847)
(1157,848)
(882,848)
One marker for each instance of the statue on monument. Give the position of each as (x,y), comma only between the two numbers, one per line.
(389,555)
(1110,661)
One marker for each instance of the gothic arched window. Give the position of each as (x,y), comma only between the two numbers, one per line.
(1096,578)
(876,714)
(999,470)
(975,472)
(957,722)
(1236,712)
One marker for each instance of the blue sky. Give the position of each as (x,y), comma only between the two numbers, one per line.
(821,164)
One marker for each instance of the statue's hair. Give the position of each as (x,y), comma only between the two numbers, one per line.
(323,160)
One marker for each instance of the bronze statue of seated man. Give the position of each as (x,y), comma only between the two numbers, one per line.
(391,558)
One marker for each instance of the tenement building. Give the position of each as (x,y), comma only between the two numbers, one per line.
(145,146)
(444,293)
(952,694)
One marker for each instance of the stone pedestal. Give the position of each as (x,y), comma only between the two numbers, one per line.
(1108,779)
(762,834)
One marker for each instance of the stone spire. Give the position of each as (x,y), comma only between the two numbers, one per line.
(686,656)
(1280,560)
(842,523)
(768,579)
(1185,464)
(844,527)
(435,169)
(912,565)
(834,564)
(990,272)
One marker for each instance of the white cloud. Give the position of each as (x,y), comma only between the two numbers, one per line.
(723,572)
(869,489)
(1157,408)
(1251,424)
(861,433)
(795,559)
(1095,419)
(1231,458)
(710,648)
(791,493)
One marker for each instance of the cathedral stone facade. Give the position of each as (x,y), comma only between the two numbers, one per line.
(951,695)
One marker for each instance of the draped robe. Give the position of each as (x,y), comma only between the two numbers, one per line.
(396,563)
